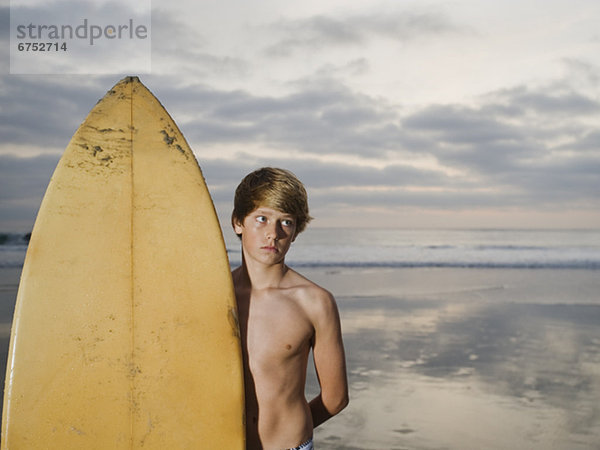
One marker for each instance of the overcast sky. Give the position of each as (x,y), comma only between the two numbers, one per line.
(394,113)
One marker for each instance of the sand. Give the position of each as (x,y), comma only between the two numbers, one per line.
(467,359)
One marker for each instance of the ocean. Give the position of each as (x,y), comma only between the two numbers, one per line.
(348,247)
(455,339)
(521,249)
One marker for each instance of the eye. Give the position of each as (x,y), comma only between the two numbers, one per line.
(261,219)
(287,222)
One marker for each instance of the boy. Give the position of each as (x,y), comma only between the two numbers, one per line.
(282,316)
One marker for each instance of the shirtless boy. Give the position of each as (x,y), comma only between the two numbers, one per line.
(282,316)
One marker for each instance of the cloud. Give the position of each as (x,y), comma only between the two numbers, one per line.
(27,177)
(4,22)
(45,111)
(583,71)
(460,125)
(320,32)
(553,100)
(589,141)
(23,182)
(319,117)
(178,48)
(350,149)
(524,146)
(5,37)
(354,67)
(520,146)
(320,175)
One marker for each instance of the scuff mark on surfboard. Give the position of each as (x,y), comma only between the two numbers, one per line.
(76,431)
(150,427)
(134,370)
(111,92)
(105,130)
(105,158)
(170,140)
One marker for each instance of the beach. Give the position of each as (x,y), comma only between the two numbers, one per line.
(447,353)
(447,358)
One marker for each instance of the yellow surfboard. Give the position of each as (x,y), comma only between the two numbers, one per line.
(125,331)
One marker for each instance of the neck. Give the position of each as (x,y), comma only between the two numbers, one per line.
(261,276)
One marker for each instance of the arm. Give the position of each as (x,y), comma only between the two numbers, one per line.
(330,363)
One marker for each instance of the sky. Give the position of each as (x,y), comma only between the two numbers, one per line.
(413,114)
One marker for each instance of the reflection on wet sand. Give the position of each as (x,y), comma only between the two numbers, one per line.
(456,358)
(467,370)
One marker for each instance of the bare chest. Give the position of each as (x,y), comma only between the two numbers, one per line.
(276,330)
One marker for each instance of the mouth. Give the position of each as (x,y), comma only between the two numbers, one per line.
(270,248)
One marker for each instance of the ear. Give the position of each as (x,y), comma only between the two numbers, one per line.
(237,226)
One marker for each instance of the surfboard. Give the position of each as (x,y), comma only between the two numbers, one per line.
(125,330)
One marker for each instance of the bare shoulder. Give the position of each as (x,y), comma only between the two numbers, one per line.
(317,301)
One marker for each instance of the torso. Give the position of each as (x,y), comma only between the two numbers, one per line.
(277,335)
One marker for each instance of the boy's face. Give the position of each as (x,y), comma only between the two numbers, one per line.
(266,234)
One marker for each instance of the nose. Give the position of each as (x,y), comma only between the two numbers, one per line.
(275,232)
(271,232)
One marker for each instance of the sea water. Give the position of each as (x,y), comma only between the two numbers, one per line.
(347,247)
(485,248)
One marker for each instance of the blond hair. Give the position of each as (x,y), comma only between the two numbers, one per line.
(274,188)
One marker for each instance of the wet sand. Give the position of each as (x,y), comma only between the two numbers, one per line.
(467,359)
(455,358)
